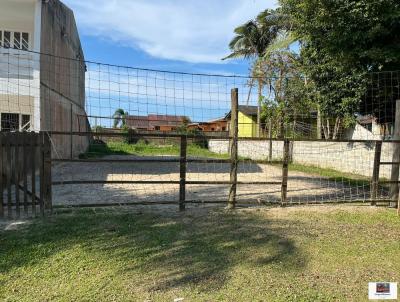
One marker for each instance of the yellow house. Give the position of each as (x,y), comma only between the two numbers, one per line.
(247,121)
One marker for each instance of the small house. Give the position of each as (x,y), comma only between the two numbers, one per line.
(217,125)
(247,121)
(155,122)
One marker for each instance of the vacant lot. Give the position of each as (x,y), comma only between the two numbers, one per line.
(305,184)
(311,253)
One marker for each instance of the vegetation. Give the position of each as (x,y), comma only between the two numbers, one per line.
(292,254)
(120,118)
(340,44)
(332,174)
(142,148)
(252,39)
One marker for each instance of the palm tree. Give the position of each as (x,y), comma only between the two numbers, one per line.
(119,117)
(250,42)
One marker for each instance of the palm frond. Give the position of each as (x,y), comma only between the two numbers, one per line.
(281,42)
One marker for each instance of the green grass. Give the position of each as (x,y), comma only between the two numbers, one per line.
(289,254)
(143,149)
(330,174)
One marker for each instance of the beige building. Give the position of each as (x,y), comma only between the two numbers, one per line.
(42,72)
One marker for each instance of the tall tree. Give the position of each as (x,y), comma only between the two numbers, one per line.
(119,117)
(250,42)
(342,41)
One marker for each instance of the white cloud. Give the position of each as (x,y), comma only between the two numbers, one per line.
(186,30)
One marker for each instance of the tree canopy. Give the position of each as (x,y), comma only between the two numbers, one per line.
(343,40)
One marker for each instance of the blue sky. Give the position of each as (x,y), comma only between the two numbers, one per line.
(173,35)
(178,35)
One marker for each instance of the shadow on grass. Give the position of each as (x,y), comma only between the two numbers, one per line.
(177,250)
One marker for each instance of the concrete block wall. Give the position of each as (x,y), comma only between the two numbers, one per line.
(357,158)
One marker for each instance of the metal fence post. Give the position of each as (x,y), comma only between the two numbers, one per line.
(234,147)
(375,172)
(182,167)
(285,168)
(270,140)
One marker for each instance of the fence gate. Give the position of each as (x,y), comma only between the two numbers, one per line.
(25,174)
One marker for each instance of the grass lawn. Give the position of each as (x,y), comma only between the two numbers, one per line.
(143,149)
(328,173)
(283,254)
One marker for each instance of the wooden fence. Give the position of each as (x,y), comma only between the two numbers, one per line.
(25,174)
(182,160)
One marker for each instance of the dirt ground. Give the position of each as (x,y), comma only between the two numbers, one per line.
(302,187)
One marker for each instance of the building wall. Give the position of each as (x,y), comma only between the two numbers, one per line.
(19,70)
(357,158)
(62,78)
(359,132)
(246,125)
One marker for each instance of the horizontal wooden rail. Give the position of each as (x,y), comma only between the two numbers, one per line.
(239,202)
(389,181)
(389,163)
(166,135)
(93,182)
(163,160)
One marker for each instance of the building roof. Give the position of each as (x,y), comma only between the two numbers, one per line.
(366,119)
(153,120)
(247,110)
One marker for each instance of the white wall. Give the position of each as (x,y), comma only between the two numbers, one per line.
(361,133)
(354,158)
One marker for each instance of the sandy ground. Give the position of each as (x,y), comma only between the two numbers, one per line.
(301,187)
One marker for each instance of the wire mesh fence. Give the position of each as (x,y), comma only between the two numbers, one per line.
(116,133)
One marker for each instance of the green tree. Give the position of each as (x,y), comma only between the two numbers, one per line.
(287,98)
(341,41)
(119,117)
(252,39)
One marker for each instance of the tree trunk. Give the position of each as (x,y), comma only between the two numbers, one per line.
(325,129)
(259,107)
(336,129)
(319,124)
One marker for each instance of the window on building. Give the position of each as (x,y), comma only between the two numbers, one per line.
(25,41)
(7,39)
(12,122)
(16,40)
(9,122)
(25,122)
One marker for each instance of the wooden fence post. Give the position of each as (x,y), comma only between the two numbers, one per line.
(25,153)
(234,147)
(8,174)
(394,187)
(71,136)
(1,178)
(41,172)
(182,166)
(16,173)
(46,162)
(285,168)
(34,142)
(375,172)
(270,139)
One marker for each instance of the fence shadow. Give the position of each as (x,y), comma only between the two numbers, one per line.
(200,248)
